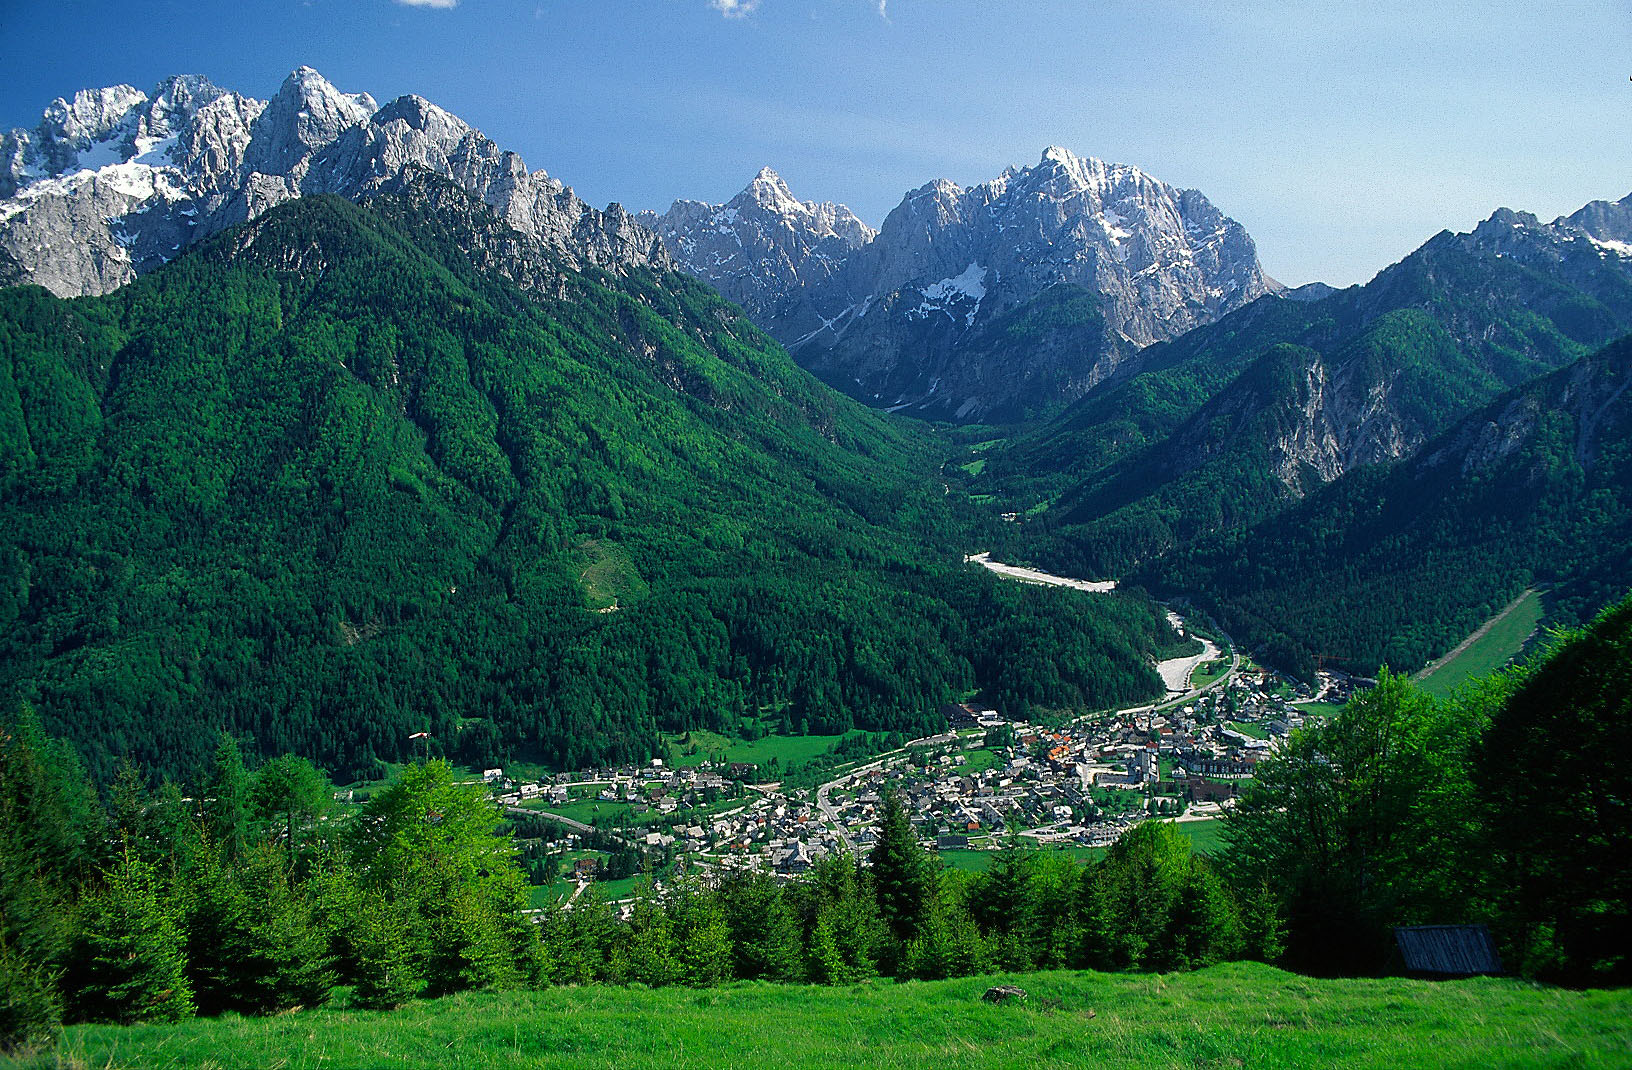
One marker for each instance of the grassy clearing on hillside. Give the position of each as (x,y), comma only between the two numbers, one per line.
(1206,835)
(1241,1014)
(1505,639)
(758,752)
(589,811)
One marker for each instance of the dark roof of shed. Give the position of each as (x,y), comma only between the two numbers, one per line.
(1450,950)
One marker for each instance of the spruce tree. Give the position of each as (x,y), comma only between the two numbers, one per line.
(386,953)
(900,869)
(134,950)
(226,802)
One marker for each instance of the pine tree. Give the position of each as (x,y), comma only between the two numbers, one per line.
(702,935)
(226,803)
(135,950)
(30,1005)
(277,953)
(647,954)
(901,871)
(387,956)
(764,931)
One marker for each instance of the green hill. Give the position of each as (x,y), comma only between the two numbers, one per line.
(354,472)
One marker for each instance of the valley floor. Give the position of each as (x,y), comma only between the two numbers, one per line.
(1240,1014)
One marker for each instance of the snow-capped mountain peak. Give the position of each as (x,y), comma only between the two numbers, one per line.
(114,182)
(761,247)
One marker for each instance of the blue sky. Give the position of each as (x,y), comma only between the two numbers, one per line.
(1341,134)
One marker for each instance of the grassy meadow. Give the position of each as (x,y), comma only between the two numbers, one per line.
(1236,1015)
(788,749)
(1206,836)
(1508,633)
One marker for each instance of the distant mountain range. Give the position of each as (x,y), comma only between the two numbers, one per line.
(1394,563)
(354,471)
(1151,404)
(984,304)
(1072,264)
(1229,442)
(1220,426)
(116,182)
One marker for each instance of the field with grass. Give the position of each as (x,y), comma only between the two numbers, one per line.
(713,745)
(1208,672)
(1246,728)
(1492,646)
(589,811)
(1236,1015)
(1206,835)
(977,761)
(972,861)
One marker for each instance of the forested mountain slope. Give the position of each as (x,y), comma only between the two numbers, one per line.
(1236,420)
(1393,564)
(348,473)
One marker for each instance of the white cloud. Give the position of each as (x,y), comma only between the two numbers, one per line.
(731,9)
(443,4)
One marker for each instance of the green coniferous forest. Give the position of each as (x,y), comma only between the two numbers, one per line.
(336,479)
(1487,376)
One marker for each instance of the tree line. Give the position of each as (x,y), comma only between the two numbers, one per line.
(253,893)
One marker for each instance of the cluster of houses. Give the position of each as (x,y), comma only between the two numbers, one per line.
(972,787)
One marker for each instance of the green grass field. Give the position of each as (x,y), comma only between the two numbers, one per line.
(1206,835)
(1489,652)
(1251,731)
(1209,671)
(977,761)
(589,811)
(713,745)
(972,861)
(1236,1015)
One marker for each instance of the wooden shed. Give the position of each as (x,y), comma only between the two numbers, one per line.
(1447,950)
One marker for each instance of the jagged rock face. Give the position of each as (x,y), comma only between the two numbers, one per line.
(764,248)
(116,182)
(1312,420)
(930,315)
(1603,228)
(1593,393)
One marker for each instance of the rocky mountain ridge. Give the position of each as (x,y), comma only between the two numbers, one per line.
(115,182)
(1235,421)
(764,247)
(932,313)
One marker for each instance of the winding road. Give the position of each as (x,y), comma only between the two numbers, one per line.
(1175,672)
